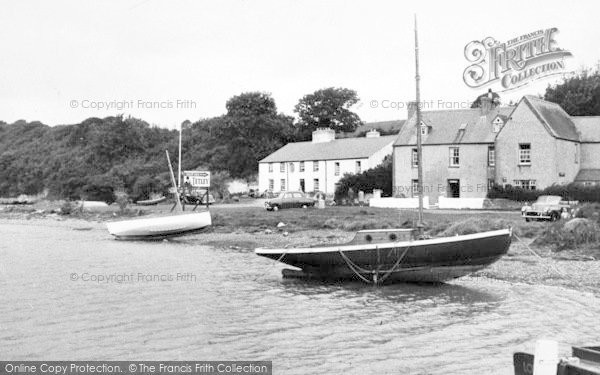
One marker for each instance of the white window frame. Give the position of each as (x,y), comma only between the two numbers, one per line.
(282,167)
(315,184)
(301,166)
(414,158)
(271,184)
(315,166)
(292,168)
(336,168)
(358,167)
(454,157)
(282,186)
(270,167)
(491,156)
(525,184)
(414,188)
(524,154)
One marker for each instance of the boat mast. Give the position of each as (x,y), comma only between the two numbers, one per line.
(418,127)
(179,163)
(178,200)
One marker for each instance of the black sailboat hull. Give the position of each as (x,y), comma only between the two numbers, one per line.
(431,260)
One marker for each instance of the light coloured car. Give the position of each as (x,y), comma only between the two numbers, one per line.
(547,207)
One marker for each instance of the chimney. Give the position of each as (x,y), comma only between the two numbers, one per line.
(323,135)
(411,109)
(372,134)
(486,103)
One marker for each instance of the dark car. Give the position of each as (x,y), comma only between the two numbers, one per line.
(289,199)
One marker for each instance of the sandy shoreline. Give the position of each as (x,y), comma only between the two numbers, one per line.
(564,269)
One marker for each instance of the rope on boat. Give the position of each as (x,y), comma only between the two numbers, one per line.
(540,257)
(358,271)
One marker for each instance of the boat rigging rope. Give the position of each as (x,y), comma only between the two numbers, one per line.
(358,271)
(540,257)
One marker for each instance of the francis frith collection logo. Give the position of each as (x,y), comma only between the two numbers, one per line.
(516,62)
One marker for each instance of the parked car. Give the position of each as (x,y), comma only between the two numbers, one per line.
(547,207)
(289,199)
(197,199)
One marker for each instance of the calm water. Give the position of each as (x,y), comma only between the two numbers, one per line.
(237,307)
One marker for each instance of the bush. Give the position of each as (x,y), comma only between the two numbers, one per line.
(571,191)
(122,200)
(98,192)
(588,211)
(67,208)
(563,236)
(475,225)
(379,177)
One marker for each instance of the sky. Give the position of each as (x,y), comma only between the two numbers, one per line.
(168,61)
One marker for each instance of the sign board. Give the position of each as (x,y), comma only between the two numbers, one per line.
(196,178)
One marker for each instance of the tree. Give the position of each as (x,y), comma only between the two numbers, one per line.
(328,108)
(251,130)
(578,95)
(494,96)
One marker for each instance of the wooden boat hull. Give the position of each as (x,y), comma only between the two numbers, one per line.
(430,260)
(159,227)
(151,202)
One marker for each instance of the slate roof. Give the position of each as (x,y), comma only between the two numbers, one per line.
(445,127)
(388,126)
(588,175)
(345,148)
(554,118)
(588,127)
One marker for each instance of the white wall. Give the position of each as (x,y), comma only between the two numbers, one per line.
(398,202)
(326,174)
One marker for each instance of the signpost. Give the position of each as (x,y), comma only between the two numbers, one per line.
(197,179)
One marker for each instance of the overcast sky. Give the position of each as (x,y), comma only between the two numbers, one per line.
(57,55)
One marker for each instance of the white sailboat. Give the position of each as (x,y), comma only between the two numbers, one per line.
(154,228)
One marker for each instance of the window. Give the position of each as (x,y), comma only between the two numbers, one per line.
(524,184)
(282,184)
(271,184)
(282,167)
(576,154)
(291,167)
(358,167)
(415,158)
(315,166)
(491,184)
(423,129)
(316,184)
(301,166)
(524,153)
(337,168)
(454,157)
(498,124)
(270,167)
(491,156)
(415,188)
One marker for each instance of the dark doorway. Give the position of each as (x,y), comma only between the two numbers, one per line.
(454,188)
(302,185)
